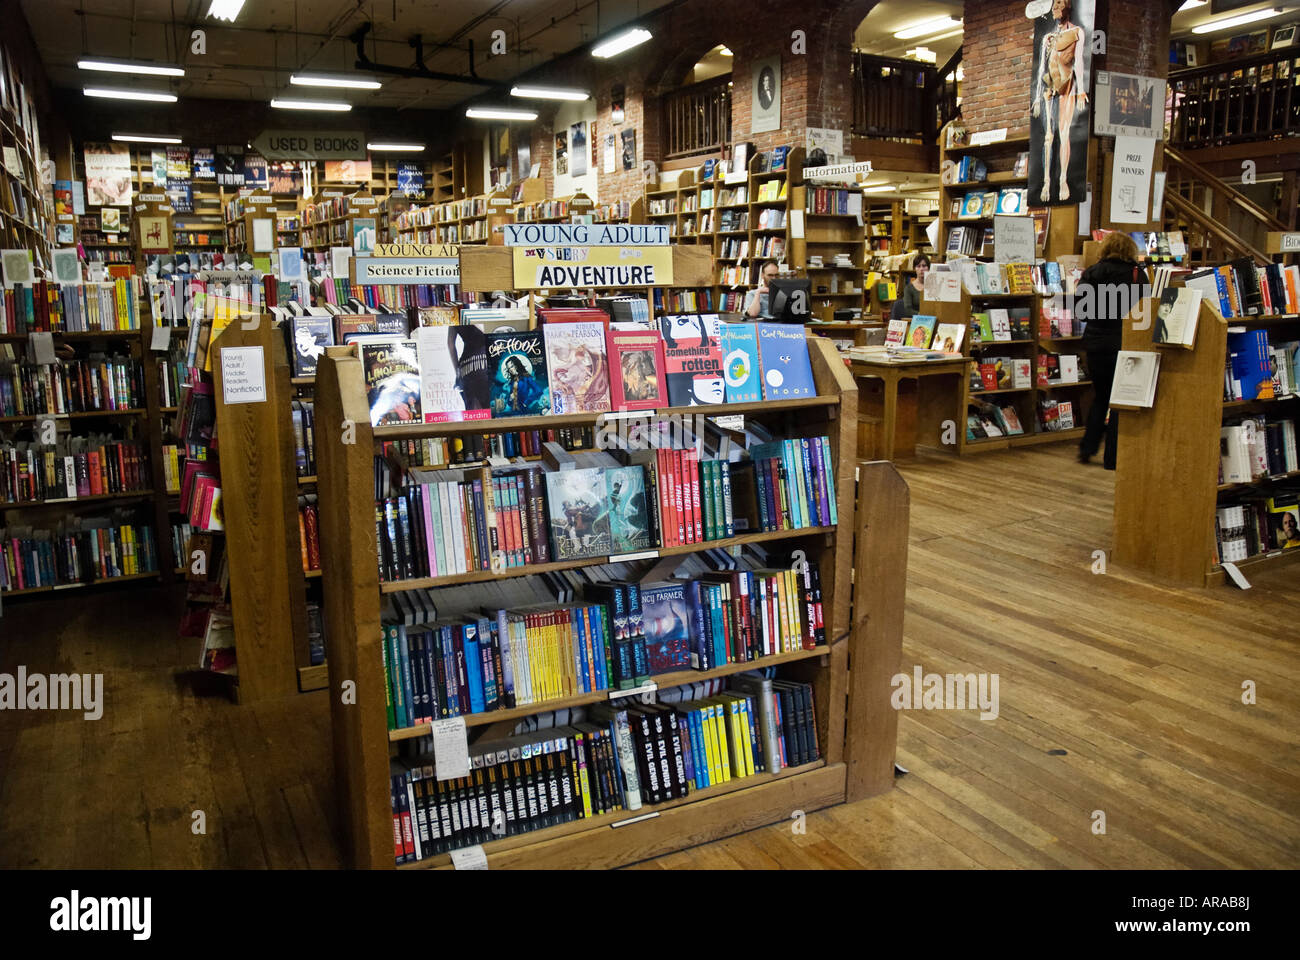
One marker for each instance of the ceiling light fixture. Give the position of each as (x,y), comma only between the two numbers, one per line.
(726,52)
(320,80)
(924,28)
(409,147)
(621,42)
(879,188)
(338,105)
(144,138)
(1239,20)
(127,66)
(549,93)
(109,93)
(225,9)
(499,113)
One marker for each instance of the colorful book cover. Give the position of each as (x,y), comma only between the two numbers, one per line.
(309,338)
(392,375)
(579,522)
(783,353)
(637,367)
(667,615)
(517,362)
(629,514)
(578,366)
(443,389)
(921,330)
(948,337)
(740,368)
(897,333)
(693,358)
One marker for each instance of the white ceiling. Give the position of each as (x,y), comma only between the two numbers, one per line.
(252,58)
(876,32)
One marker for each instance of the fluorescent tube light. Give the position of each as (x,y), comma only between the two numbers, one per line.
(311,105)
(144,138)
(126,66)
(621,42)
(499,113)
(319,80)
(927,27)
(113,94)
(879,188)
(1239,20)
(225,9)
(549,93)
(411,147)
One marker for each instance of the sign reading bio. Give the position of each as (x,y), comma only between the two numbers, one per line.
(547,267)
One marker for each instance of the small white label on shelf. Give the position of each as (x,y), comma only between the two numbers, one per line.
(1235,574)
(733,421)
(630,820)
(243,376)
(469,858)
(648,687)
(629,557)
(450,748)
(988,136)
(160,339)
(42,347)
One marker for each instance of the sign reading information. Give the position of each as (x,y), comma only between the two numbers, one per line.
(597,266)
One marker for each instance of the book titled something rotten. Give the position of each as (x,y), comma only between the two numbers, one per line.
(693,353)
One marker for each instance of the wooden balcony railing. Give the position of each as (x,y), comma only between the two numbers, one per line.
(902,99)
(697,119)
(1253,98)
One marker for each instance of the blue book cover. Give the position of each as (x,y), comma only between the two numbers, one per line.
(740,362)
(698,648)
(580,648)
(667,618)
(1250,363)
(783,355)
(473,667)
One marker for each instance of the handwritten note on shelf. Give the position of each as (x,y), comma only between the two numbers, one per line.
(243,376)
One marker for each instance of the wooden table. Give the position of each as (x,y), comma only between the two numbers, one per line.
(887,416)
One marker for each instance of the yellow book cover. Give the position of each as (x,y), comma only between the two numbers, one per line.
(748,724)
(793,593)
(548,646)
(733,739)
(724,746)
(744,749)
(782,620)
(710,737)
(534,660)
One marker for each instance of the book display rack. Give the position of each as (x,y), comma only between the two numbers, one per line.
(854,725)
(1176,448)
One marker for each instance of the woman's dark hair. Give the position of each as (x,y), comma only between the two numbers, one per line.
(917,261)
(665,330)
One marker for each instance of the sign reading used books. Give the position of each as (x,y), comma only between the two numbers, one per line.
(311,144)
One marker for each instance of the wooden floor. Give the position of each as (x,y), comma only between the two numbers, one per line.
(1115,696)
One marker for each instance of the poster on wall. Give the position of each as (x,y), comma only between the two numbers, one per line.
(1130,181)
(578,149)
(229,163)
(255,174)
(410,179)
(611,154)
(766,103)
(616,100)
(178,163)
(1058,127)
(108,174)
(203,164)
(347,171)
(1128,105)
(629,149)
(829,142)
(562,152)
(158,164)
(284,177)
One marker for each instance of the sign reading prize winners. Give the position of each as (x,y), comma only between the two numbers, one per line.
(590,254)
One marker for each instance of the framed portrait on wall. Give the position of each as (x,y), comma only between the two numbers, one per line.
(1283,37)
(562,152)
(766,104)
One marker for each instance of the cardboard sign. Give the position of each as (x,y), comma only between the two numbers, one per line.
(375,271)
(547,267)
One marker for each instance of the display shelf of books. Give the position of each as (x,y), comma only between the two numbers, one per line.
(976,182)
(830,252)
(1219,442)
(340,216)
(570,660)
(441,184)
(555,209)
(250,222)
(26,217)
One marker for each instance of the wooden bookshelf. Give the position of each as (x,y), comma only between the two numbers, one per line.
(1025,400)
(1167,468)
(856,726)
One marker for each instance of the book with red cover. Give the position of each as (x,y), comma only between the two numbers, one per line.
(988,373)
(636,370)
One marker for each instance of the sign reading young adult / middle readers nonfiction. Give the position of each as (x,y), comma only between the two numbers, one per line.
(589,254)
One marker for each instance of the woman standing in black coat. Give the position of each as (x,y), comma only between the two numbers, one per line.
(1115,283)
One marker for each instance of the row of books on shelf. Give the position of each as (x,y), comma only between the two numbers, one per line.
(559,209)
(200,491)
(476,448)
(1257,447)
(71,468)
(617,637)
(70,308)
(1155,245)
(603,759)
(682,300)
(1043,277)
(198,238)
(78,550)
(836,201)
(173,457)
(983,204)
(923,331)
(95,383)
(1242,288)
(1258,368)
(1057,415)
(577,363)
(990,420)
(1258,525)
(771,191)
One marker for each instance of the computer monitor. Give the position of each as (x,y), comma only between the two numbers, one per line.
(789,299)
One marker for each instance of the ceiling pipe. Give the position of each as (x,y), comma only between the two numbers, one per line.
(420,71)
